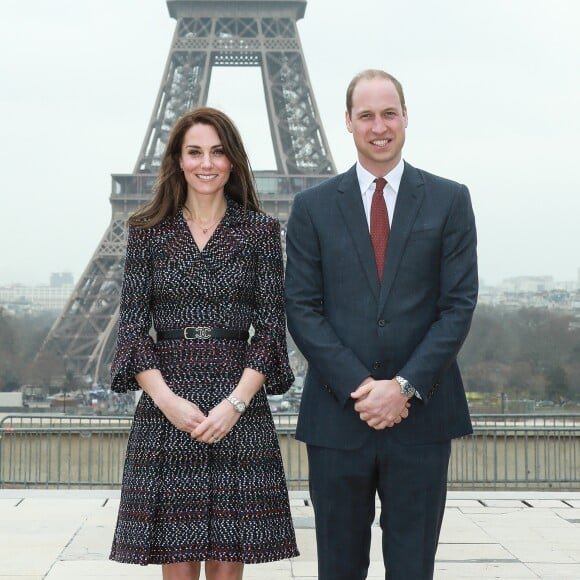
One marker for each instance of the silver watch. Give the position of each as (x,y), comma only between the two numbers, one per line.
(239,406)
(407,388)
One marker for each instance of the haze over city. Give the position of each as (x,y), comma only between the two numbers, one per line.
(492,91)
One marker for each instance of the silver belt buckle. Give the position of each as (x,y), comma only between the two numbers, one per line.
(199,332)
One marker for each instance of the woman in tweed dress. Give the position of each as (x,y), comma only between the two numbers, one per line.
(203,477)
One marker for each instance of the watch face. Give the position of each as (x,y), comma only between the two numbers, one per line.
(406,388)
(239,406)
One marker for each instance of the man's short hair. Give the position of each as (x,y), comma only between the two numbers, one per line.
(368,74)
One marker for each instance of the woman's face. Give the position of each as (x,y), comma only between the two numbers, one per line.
(203,161)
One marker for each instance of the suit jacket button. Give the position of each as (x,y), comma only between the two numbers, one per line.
(377,365)
(382,323)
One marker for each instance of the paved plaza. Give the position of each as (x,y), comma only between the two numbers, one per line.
(66,534)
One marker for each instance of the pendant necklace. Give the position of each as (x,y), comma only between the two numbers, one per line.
(204,229)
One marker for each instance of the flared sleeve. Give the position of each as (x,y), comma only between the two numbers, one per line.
(268,351)
(134,351)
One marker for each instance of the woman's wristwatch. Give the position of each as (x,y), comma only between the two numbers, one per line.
(239,406)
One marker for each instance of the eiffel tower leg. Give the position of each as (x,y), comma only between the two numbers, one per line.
(82,328)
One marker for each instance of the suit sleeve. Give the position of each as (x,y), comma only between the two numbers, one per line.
(268,351)
(134,351)
(458,288)
(337,367)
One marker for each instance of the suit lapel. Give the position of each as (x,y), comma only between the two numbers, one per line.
(350,203)
(409,200)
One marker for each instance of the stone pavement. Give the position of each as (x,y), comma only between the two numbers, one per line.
(66,534)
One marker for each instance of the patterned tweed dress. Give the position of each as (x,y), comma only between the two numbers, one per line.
(184,500)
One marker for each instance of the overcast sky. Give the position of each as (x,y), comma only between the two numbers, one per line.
(492,88)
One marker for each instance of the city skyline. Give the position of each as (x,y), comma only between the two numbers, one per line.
(545,281)
(499,116)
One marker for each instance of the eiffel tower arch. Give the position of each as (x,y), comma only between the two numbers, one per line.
(208,34)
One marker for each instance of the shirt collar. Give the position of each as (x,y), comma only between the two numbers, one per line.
(393,177)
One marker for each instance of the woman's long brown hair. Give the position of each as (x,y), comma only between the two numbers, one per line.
(170,190)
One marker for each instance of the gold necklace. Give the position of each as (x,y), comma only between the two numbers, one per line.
(204,229)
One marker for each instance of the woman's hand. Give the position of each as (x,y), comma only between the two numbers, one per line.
(183,414)
(221,419)
(217,424)
(180,412)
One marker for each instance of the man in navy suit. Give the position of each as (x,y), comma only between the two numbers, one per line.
(381,330)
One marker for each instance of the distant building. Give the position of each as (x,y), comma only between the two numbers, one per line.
(533,292)
(22,299)
(527,284)
(61,279)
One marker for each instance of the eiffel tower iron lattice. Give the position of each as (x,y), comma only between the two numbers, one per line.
(208,33)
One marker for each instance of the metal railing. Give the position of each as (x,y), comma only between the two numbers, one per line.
(506,452)
(518,451)
(55,451)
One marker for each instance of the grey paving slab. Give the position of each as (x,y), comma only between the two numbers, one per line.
(539,552)
(460,503)
(547,503)
(6,503)
(271,571)
(504,503)
(551,571)
(298,502)
(32,508)
(482,553)
(459,528)
(103,569)
(491,510)
(571,514)
(63,535)
(113,503)
(521,495)
(482,571)
(306,539)
(10,576)
(92,494)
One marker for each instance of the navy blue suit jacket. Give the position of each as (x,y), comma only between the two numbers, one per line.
(349,327)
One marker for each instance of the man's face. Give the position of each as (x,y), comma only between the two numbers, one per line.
(377,123)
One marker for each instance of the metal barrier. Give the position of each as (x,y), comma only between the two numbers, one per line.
(505,452)
(62,451)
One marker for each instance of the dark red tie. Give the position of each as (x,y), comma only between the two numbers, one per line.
(380,228)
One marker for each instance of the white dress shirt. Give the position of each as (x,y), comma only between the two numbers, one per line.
(367,185)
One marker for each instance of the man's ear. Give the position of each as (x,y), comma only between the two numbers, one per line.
(348,122)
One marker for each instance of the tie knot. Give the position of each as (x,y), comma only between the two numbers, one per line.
(381,182)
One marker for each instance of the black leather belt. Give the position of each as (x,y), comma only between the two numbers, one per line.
(202,333)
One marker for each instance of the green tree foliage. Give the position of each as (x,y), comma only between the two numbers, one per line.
(20,340)
(517,352)
(526,353)
(557,386)
(8,353)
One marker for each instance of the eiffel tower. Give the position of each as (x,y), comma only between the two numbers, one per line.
(208,34)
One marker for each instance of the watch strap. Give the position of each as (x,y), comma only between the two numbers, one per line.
(239,405)
(407,388)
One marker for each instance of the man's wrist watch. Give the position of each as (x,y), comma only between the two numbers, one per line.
(239,406)
(407,388)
